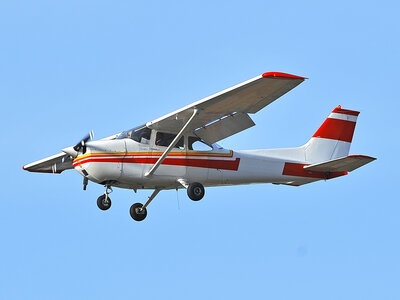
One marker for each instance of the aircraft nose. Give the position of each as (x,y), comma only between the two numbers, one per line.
(87,148)
(70,151)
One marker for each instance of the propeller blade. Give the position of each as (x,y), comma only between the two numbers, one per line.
(82,143)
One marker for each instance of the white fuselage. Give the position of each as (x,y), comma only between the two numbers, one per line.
(124,163)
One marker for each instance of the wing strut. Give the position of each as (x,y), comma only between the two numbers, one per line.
(173,143)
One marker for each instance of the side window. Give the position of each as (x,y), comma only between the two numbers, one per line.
(165,139)
(196,143)
(142,135)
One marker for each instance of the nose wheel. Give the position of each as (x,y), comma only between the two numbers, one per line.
(104,201)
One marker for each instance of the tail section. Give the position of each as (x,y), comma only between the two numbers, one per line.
(333,139)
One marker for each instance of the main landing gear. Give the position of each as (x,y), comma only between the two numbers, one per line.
(195,191)
(138,211)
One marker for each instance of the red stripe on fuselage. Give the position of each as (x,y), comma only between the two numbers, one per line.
(232,165)
(336,129)
(149,154)
(295,169)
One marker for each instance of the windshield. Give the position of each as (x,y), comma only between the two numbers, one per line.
(140,134)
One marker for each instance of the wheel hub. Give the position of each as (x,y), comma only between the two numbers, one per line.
(139,210)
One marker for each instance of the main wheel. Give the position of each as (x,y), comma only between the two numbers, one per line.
(104,203)
(195,191)
(137,213)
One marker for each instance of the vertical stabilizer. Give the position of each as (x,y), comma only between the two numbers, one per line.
(333,138)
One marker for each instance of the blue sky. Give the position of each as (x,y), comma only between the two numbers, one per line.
(67,67)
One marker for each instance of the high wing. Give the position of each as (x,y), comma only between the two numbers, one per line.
(56,163)
(53,164)
(226,113)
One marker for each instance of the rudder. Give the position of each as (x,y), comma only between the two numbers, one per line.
(333,138)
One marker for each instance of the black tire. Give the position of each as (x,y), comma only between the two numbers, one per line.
(136,214)
(195,191)
(102,203)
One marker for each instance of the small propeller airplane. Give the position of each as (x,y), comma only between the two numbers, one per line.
(179,150)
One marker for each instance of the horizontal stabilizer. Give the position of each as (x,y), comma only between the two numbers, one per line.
(343,164)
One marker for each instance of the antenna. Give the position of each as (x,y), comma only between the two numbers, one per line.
(177,199)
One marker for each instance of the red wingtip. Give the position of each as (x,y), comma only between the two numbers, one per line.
(341,110)
(284,75)
(23,167)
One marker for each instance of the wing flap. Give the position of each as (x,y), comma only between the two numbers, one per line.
(52,164)
(343,164)
(224,128)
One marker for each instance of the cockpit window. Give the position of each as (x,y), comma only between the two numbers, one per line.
(165,139)
(196,143)
(139,134)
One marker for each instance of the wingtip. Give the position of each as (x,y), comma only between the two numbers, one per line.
(363,157)
(282,75)
(25,168)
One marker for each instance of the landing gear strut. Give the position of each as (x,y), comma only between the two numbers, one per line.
(104,201)
(138,211)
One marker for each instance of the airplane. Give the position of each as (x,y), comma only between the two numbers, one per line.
(179,150)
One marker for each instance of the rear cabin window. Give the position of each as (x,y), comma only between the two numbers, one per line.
(165,139)
(196,143)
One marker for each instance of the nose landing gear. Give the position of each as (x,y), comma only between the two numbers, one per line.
(104,201)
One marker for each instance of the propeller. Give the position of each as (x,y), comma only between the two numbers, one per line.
(82,143)
(73,151)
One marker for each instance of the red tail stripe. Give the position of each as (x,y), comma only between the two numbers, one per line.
(295,169)
(336,129)
(189,162)
(346,111)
